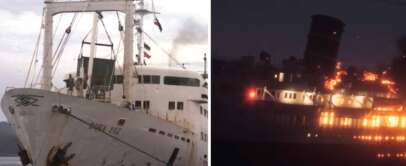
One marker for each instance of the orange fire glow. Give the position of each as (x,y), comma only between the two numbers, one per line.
(370,76)
(383,80)
(373,121)
(332,83)
(390,85)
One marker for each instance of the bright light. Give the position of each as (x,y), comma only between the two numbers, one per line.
(370,76)
(252,94)
(331,83)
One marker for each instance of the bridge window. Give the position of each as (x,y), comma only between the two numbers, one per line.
(181,81)
(171,105)
(149,79)
(180,105)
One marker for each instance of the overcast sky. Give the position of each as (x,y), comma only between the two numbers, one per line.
(183,21)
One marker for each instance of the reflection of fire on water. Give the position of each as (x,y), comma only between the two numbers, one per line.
(401,155)
(330,120)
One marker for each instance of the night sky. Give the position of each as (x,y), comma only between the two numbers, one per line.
(280,27)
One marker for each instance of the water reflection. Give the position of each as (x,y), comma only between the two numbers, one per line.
(391,155)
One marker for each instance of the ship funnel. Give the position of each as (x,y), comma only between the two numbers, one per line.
(321,51)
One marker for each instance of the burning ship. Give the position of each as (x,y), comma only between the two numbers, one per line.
(314,100)
(109,114)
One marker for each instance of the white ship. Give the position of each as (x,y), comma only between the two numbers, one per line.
(141,115)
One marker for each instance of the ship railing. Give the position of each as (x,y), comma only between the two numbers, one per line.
(265,94)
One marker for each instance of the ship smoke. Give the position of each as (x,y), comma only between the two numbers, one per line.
(190,33)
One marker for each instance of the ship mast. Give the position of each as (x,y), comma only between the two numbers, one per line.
(95,30)
(128,54)
(53,8)
(47,57)
(140,31)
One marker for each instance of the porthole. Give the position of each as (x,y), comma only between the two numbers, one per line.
(121,122)
(152,130)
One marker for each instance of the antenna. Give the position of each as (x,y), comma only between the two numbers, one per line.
(141,12)
(205,75)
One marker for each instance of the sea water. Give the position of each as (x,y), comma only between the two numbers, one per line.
(10,161)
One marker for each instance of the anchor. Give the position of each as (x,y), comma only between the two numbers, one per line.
(57,156)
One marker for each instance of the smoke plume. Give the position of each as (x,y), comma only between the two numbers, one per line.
(190,33)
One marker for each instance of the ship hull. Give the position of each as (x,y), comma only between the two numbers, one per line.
(57,129)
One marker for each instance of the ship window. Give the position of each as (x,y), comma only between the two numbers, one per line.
(188,140)
(121,122)
(118,79)
(162,132)
(171,105)
(181,81)
(290,95)
(201,110)
(170,135)
(149,79)
(286,95)
(155,79)
(180,105)
(204,96)
(205,112)
(137,104)
(183,139)
(146,104)
(152,130)
(294,96)
(176,137)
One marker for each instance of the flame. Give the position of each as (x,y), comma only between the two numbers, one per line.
(332,83)
(381,79)
(370,76)
(390,85)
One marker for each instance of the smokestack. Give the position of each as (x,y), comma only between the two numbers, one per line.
(321,52)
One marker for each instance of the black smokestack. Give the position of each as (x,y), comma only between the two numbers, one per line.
(321,52)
